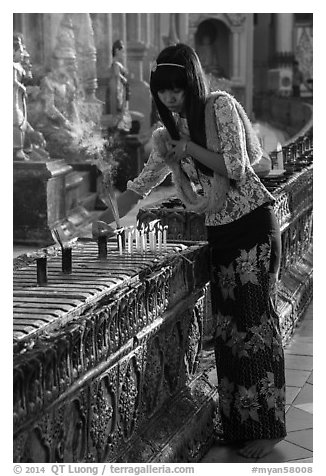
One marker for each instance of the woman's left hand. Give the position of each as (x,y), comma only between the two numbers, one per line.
(178,148)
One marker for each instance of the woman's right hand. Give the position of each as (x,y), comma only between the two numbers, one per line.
(125,202)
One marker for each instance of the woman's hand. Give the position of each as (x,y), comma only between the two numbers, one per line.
(126,201)
(177,149)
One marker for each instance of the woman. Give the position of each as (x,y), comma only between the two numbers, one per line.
(209,145)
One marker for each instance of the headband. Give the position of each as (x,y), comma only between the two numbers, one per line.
(155,65)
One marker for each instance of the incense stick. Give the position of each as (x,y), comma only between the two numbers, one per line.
(110,198)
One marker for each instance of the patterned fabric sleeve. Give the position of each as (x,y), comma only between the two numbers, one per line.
(232,137)
(155,169)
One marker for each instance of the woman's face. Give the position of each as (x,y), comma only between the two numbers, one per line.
(173,99)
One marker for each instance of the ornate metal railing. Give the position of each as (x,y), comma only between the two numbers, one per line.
(105,358)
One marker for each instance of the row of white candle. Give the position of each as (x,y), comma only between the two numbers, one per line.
(152,237)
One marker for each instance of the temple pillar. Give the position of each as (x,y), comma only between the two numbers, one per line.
(135,47)
(236,55)
(124,27)
(140,98)
(147,28)
(280,75)
(183,27)
(164,28)
(109,39)
(250,63)
(86,54)
(284,32)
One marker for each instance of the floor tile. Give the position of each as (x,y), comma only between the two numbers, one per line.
(310,379)
(298,362)
(306,460)
(300,339)
(305,395)
(306,331)
(306,407)
(296,378)
(224,454)
(297,419)
(291,393)
(303,438)
(309,313)
(285,451)
(306,324)
(300,349)
(309,317)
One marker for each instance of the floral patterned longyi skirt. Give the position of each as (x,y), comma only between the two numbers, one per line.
(248,343)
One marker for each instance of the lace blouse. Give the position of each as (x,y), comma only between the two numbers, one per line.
(248,192)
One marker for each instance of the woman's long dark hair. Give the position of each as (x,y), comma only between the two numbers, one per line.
(191,79)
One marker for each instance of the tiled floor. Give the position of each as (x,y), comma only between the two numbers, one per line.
(297,446)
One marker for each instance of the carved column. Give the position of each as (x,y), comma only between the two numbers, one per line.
(109,37)
(184,27)
(86,51)
(249,61)
(136,48)
(147,28)
(280,77)
(140,99)
(284,32)
(172,38)
(236,55)
(239,25)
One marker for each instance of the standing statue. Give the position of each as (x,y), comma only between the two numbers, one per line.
(60,110)
(55,110)
(117,93)
(58,116)
(28,144)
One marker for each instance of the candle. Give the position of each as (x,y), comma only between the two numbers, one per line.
(146,234)
(152,240)
(133,237)
(102,247)
(137,240)
(120,243)
(66,263)
(129,242)
(165,232)
(121,239)
(159,239)
(143,239)
(41,268)
(280,164)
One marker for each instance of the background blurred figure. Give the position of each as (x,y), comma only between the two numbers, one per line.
(117,92)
